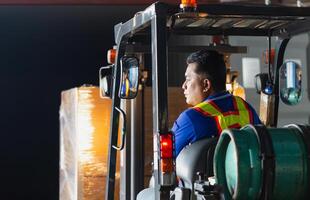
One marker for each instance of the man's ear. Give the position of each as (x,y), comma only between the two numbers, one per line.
(206,85)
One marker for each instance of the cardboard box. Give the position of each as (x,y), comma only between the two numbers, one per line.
(84,141)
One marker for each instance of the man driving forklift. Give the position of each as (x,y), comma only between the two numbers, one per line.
(214,109)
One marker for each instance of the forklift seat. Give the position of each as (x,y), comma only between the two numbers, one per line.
(197,157)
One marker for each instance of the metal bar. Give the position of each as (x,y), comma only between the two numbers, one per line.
(137,161)
(292,29)
(141,134)
(110,181)
(111,168)
(138,48)
(220,31)
(220,48)
(140,21)
(125,166)
(280,49)
(159,92)
(259,10)
(308,71)
(126,155)
(79,2)
(121,33)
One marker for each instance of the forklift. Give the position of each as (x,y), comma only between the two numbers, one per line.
(140,63)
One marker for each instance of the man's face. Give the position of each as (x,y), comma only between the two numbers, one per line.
(193,86)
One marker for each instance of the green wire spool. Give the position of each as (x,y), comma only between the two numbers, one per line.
(256,163)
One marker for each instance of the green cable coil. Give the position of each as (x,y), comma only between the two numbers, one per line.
(259,163)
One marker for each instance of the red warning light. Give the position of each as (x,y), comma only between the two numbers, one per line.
(166,145)
(166,153)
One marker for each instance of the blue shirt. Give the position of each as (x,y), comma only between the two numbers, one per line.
(192,125)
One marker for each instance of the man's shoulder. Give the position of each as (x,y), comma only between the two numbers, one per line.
(193,115)
(190,111)
(192,118)
(185,114)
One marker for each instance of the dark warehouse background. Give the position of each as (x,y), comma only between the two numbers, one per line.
(44,50)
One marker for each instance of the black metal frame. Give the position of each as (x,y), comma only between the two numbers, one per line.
(159,93)
(153,20)
(280,49)
(122,34)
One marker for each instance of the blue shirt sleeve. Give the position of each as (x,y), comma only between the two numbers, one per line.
(190,127)
(183,132)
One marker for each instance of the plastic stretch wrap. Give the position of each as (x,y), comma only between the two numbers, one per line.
(84,140)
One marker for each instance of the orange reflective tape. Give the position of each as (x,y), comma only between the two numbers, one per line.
(200,110)
(237,125)
(209,108)
(236,118)
(218,124)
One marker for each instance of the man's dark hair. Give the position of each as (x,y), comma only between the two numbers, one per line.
(212,65)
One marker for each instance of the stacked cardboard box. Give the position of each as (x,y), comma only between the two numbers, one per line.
(84,141)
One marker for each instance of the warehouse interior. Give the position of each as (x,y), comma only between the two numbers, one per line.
(47,47)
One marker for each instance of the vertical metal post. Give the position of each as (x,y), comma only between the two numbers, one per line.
(137,139)
(280,49)
(125,165)
(159,93)
(137,163)
(308,67)
(110,181)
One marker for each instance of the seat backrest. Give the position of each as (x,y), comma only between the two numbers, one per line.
(197,157)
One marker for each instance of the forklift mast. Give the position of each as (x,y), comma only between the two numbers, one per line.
(148,32)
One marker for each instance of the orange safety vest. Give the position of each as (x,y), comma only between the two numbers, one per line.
(239,117)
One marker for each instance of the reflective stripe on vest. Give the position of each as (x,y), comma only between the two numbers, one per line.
(240,116)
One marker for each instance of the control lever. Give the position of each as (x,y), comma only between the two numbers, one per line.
(205,191)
